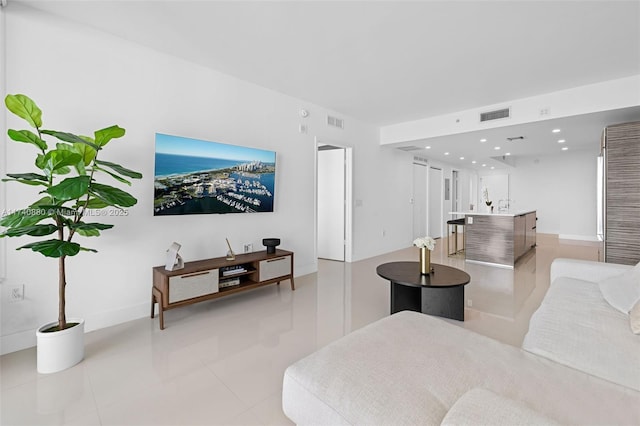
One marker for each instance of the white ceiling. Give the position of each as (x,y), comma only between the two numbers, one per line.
(385,62)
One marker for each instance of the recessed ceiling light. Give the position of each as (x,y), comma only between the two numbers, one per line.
(484,165)
(483,140)
(474,162)
(446,153)
(564,148)
(496,148)
(561,141)
(492,167)
(556,130)
(507,153)
(427,147)
(462,158)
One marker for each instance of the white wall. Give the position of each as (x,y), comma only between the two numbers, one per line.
(562,188)
(85,80)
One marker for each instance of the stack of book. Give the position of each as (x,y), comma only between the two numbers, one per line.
(229,282)
(233,270)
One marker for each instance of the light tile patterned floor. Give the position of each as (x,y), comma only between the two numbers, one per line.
(221,362)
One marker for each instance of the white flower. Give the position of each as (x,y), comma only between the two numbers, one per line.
(427,242)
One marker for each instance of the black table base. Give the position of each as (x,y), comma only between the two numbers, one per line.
(447,302)
(440,293)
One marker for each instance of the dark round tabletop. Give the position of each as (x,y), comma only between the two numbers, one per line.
(408,273)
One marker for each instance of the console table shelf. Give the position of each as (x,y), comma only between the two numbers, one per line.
(204,279)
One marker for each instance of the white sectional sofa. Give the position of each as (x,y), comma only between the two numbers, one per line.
(577,327)
(411,368)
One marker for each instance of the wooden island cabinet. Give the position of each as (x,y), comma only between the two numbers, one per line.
(208,279)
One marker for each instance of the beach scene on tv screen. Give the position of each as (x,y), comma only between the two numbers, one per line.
(194,176)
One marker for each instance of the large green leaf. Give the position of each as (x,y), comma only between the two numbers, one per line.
(25,217)
(70,188)
(27,178)
(113,175)
(121,170)
(90,229)
(103,136)
(25,108)
(33,230)
(87,152)
(71,138)
(28,137)
(53,248)
(42,201)
(112,196)
(55,161)
(95,203)
(80,165)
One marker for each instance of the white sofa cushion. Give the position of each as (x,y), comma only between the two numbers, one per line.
(576,327)
(411,368)
(483,407)
(622,291)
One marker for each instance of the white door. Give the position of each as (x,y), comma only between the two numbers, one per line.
(435,202)
(419,200)
(331,203)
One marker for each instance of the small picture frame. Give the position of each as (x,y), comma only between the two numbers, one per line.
(174,260)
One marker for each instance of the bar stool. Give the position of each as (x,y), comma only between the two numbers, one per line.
(452,229)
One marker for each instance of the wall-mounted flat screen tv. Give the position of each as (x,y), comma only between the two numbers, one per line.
(193,176)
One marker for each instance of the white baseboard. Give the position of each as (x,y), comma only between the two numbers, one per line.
(17,341)
(27,339)
(305,269)
(593,238)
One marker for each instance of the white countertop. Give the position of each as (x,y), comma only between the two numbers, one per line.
(511,213)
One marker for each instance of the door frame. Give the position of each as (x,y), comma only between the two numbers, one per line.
(348,194)
(440,200)
(425,196)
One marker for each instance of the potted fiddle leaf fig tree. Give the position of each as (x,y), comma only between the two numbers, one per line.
(67,177)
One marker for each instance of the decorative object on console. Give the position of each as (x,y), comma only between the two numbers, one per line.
(488,202)
(271,244)
(174,260)
(425,244)
(68,178)
(230,254)
(194,177)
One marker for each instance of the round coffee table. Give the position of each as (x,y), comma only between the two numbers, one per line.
(440,293)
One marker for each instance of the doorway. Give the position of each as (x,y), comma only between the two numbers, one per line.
(419,200)
(455,192)
(435,202)
(333,189)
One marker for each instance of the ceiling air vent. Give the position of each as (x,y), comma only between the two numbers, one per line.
(408,148)
(495,115)
(335,122)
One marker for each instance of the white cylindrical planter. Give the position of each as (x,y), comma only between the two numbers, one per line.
(60,350)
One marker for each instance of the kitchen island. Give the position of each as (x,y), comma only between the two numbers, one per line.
(498,238)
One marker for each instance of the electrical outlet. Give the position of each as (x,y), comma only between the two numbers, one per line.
(248,248)
(469,303)
(16,293)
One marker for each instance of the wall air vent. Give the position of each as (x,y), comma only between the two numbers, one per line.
(495,115)
(335,122)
